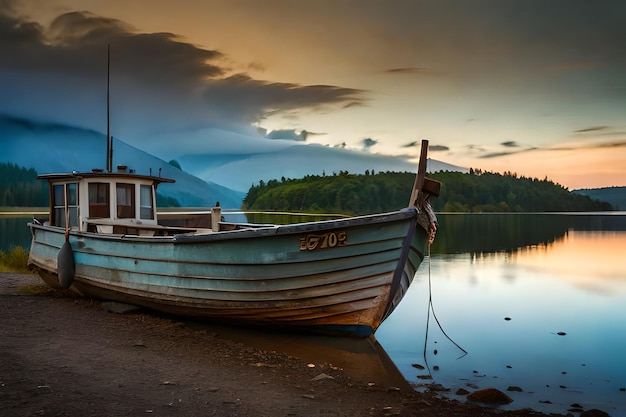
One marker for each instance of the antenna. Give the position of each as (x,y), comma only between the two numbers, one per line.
(109,139)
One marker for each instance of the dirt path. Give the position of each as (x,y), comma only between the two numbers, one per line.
(66,356)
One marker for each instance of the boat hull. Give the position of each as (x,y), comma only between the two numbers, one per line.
(337,277)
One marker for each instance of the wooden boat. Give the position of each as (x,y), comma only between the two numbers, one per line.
(343,277)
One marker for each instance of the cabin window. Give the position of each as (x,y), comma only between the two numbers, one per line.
(125,201)
(65,196)
(146,211)
(99,200)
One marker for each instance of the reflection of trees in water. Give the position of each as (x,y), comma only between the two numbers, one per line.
(469,233)
(14,232)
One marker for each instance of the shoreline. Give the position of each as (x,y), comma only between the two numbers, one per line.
(65,355)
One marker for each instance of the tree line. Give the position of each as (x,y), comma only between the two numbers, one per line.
(355,194)
(19,187)
(476,191)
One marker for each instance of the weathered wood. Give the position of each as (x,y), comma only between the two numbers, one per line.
(432,187)
(341,276)
(421,173)
(258,276)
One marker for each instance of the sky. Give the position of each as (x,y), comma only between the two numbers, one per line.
(534,87)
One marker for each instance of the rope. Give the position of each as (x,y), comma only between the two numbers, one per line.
(67,214)
(426,216)
(431,307)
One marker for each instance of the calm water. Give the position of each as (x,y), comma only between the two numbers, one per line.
(537,301)
(14,232)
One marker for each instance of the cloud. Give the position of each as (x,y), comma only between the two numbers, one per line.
(412,71)
(500,154)
(433,148)
(577,146)
(592,129)
(161,85)
(614,144)
(252,100)
(288,134)
(359,103)
(596,145)
(368,143)
(575,66)
(510,144)
(475,148)
(84,27)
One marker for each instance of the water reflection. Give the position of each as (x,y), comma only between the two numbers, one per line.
(539,307)
(364,360)
(472,233)
(586,259)
(14,232)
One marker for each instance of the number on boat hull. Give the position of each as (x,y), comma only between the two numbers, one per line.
(313,241)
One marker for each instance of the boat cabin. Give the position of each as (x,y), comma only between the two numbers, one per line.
(119,202)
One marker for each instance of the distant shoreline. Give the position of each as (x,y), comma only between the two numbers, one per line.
(22,211)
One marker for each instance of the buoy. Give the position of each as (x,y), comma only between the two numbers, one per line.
(65,264)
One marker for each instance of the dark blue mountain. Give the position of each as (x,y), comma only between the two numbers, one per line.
(49,147)
(616,196)
(240,171)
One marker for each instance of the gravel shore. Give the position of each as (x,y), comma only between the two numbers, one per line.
(62,355)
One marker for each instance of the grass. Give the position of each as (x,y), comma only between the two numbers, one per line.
(35,290)
(27,210)
(14,261)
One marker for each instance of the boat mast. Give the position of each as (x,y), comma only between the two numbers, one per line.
(109,139)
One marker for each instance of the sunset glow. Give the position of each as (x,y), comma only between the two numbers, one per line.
(584,259)
(531,87)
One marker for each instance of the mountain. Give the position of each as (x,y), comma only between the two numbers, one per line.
(240,171)
(224,174)
(616,196)
(49,148)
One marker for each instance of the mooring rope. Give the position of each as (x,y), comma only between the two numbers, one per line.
(431,307)
(67,215)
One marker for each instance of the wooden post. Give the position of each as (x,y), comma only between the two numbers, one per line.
(216,218)
(421,173)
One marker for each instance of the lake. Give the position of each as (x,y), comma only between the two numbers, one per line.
(14,232)
(535,302)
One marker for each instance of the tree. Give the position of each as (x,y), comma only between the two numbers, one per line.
(362,194)
(175,163)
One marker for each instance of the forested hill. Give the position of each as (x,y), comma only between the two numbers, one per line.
(614,195)
(19,187)
(475,191)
